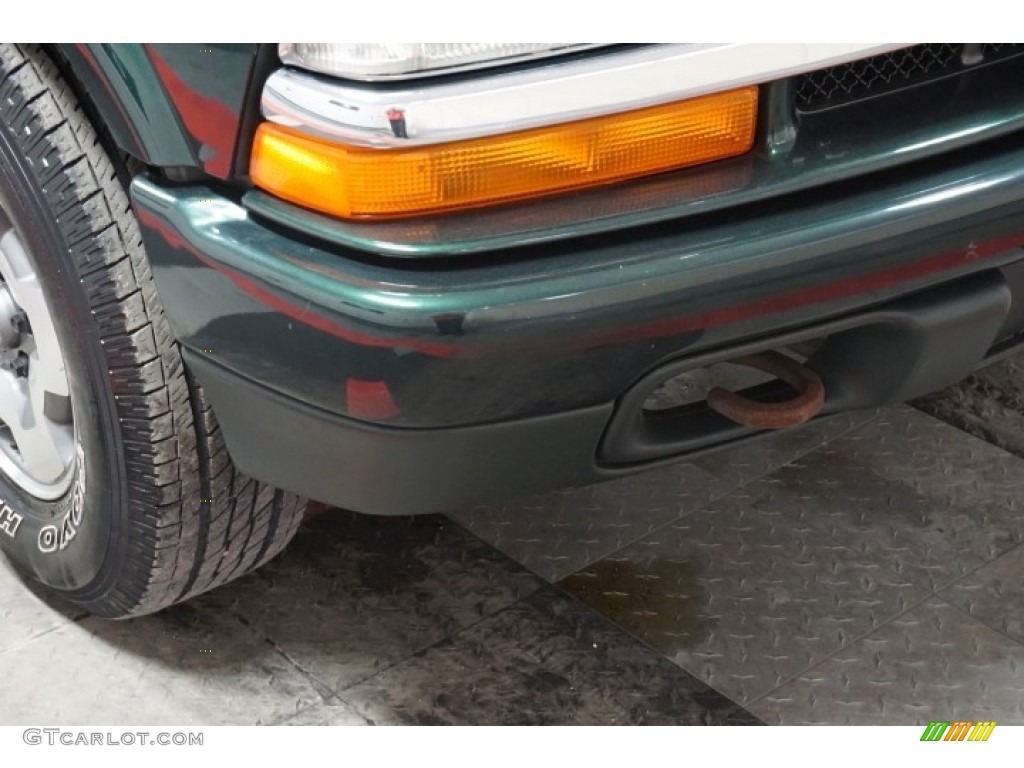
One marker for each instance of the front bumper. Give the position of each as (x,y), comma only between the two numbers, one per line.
(399,386)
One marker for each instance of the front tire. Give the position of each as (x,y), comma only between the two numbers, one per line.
(147,508)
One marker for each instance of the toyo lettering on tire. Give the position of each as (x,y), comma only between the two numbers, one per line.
(116,492)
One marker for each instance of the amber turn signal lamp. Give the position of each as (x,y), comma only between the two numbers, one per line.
(352,182)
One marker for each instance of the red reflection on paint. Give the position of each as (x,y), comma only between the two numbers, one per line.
(207,120)
(779,303)
(370,400)
(299,313)
(816,294)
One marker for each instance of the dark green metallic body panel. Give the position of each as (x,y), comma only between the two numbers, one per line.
(168,105)
(463,343)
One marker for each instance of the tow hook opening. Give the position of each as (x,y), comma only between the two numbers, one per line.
(697,404)
(890,353)
(719,386)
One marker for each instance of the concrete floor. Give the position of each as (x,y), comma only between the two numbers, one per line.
(865,570)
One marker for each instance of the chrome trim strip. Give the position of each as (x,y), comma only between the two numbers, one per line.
(561,91)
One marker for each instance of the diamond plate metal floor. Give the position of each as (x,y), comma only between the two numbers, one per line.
(865,570)
(362,621)
(868,581)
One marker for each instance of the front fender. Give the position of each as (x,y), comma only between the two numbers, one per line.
(167,104)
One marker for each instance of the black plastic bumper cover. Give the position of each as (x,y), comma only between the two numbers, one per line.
(897,351)
(381,470)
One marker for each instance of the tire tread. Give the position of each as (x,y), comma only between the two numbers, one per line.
(195,522)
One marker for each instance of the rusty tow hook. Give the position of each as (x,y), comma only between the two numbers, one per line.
(750,413)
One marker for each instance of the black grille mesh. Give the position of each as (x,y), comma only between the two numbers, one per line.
(826,88)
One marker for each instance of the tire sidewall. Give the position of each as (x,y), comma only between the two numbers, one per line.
(67,544)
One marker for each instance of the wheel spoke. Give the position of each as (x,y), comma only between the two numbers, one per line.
(28,294)
(48,374)
(13,401)
(35,404)
(45,447)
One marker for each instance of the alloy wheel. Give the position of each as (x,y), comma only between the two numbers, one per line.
(37,433)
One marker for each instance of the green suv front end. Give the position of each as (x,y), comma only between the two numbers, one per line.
(406,278)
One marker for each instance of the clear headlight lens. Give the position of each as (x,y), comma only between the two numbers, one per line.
(373,61)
